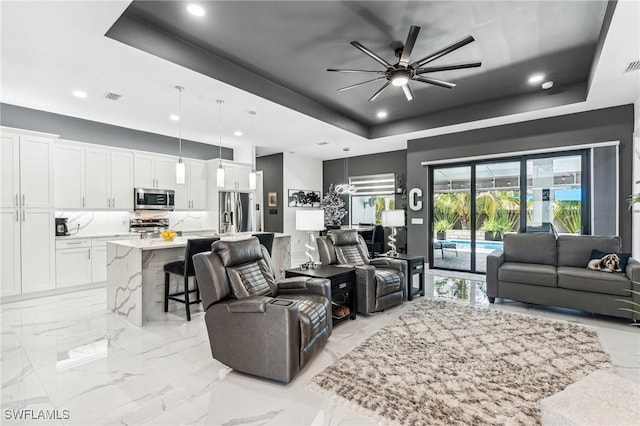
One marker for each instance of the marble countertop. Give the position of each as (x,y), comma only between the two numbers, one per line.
(159,243)
(105,235)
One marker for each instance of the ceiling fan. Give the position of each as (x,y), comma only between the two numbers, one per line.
(400,73)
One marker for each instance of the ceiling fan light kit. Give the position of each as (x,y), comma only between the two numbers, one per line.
(401,73)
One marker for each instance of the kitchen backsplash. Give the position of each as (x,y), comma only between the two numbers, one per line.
(101,222)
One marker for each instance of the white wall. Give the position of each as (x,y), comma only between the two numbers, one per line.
(299,173)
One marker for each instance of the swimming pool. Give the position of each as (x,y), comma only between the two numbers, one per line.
(480,245)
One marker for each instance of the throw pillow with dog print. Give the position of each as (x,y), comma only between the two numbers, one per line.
(608,262)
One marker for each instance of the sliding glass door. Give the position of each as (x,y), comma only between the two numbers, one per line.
(475,204)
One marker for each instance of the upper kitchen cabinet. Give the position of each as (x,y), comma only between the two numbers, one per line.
(193,194)
(155,171)
(93,177)
(236,176)
(27,161)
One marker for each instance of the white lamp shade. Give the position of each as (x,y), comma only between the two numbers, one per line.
(180,172)
(220,176)
(252,180)
(310,219)
(393,218)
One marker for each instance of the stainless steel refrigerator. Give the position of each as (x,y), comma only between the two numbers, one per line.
(235,212)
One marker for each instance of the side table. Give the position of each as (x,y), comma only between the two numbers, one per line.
(343,282)
(415,266)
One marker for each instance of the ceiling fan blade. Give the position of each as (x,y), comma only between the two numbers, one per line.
(372,55)
(375,95)
(408,92)
(435,82)
(448,67)
(408,45)
(359,84)
(442,52)
(344,70)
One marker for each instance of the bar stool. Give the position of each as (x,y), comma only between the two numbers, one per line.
(185,269)
(266,239)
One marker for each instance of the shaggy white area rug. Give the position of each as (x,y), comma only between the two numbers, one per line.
(448,363)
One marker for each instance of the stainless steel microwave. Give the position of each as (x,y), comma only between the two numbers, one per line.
(153,199)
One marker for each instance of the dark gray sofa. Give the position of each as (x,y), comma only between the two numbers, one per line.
(540,269)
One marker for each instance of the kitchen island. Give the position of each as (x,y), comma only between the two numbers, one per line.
(135,273)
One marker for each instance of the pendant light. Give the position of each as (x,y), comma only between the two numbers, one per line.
(180,171)
(252,175)
(346,188)
(220,173)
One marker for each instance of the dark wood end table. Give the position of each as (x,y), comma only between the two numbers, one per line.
(343,282)
(415,265)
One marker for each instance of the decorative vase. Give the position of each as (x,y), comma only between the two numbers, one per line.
(492,236)
(441,235)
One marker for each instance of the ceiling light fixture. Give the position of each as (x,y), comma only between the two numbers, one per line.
(346,188)
(79,94)
(536,78)
(252,175)
(220,172)
(174,117)
(195,10)
(400,78)
(180,171)
(237,133)
(547,85)
(382,114)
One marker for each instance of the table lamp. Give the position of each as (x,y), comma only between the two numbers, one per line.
(309,220)
(393,219)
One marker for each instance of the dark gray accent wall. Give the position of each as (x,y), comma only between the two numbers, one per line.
(80,130)
(333,171)
(603,125)
(603,210)
(272,167)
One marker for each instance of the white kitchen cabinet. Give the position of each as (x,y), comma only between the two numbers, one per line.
(37,250)
(10,278)
(121,180)
(192,195)
(99,263)
(155,171)
(236,176)
(27,163)
(73,262)
(69,176)
(92,177)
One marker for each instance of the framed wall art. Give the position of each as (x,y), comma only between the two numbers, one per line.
(304,198)
(272,199)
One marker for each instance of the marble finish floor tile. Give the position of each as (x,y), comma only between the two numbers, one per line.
(68,353)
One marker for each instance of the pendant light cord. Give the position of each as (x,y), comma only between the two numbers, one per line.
(180,89)
(253,154)
(220,102)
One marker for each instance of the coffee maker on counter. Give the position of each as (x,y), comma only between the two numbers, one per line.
(61,226)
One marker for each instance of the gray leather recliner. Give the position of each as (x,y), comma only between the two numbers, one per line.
(258,325)
(381,283)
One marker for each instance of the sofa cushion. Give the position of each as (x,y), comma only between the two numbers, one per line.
(252,279)
(387,281)
(593,281)
(575,250)
(528,273)
(530,248)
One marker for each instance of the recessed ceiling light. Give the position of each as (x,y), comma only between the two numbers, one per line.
(174,117)
(547,85)
(195,10)
(536,78)
(237,133)
(79,94)
(382,114)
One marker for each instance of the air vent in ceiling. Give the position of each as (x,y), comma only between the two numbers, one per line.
(112,96)
(322,143)
(633,66)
